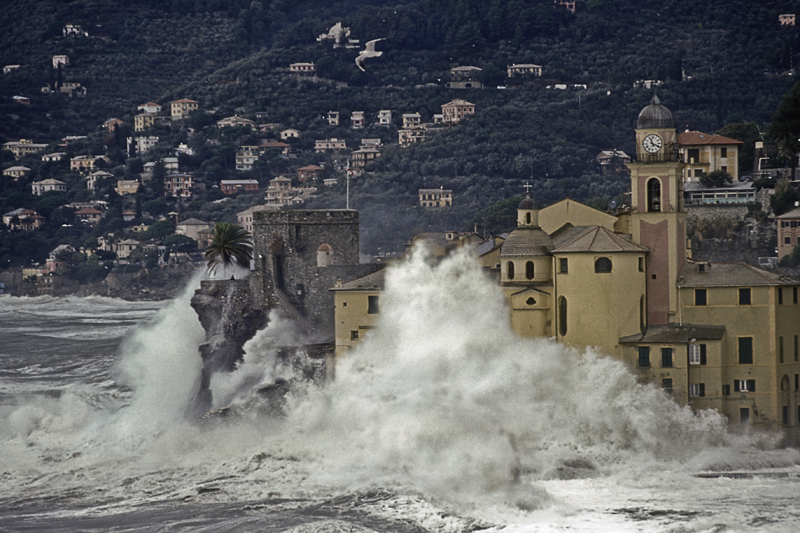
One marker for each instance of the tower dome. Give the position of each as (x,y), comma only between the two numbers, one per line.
(527,241)
(655,116)
(527,203)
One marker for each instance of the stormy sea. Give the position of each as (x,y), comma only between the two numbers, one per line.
(442,420)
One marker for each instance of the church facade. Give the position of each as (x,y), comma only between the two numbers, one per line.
(721,335)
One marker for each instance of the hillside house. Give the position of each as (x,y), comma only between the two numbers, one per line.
(125,247)
(111,124)
(127,187)
(308,173)
(245,218)
(236,121)
(465,77)
(329,145)
(569,5)
(49,185)
(24,147)
(435,197)
(10,68)
(359,158)
(788,232)
(302,69)
(129,215)
(357,120)
(181,109)
(385,117)
(290,133)
(613,162)
(55,260)
(72,88)
(333,118)
(455,111)
(236,186)
(786,19)
(704,153)
(407,137)
(525,70)
(178,185)
(85,163)
(73,30)
(150,108)
(54,156)
(60,61)
(23,219)
(16,171)
(191,227)
(91,179)
(141,145)
(411,120)
(89,215)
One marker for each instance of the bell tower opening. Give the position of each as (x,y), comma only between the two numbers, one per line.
(654,195)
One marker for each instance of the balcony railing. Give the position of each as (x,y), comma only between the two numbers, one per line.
(668,156)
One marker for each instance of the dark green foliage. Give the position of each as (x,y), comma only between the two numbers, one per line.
(717,178)
(791,260)
(230,245)
(180,243)
(784,199)
(497,218)
(159,230)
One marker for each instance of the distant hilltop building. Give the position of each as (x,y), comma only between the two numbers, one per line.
(302,69)
(786,19)
(569,5)
(464,78)
(523,70)
(455,111)
(60,61)
(435,197)
(74,30)
(340,36)
(181,109)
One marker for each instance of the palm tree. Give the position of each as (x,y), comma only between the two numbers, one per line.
(231,244)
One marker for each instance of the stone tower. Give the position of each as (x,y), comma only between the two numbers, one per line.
(299,256)
(658,220)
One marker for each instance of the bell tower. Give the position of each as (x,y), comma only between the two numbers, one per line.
(658,220)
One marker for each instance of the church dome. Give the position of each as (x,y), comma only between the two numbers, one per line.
(527,203)
(655,116)
(530,241)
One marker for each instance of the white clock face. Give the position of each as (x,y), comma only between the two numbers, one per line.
(652,143)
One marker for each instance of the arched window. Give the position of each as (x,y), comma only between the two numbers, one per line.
(324,255)
(510,269)
(653,195)
(562,316)
(602,265)
(785,383)
(527,218)
(529,270)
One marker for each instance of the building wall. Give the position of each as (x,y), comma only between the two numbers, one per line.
(601,307)
(285,251)
(352,315)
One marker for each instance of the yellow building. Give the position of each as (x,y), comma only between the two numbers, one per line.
(704,153)
(357,306)
(714,335)
(181,109)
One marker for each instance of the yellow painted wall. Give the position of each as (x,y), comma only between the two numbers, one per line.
(601,308)
(351,315)
(566,211)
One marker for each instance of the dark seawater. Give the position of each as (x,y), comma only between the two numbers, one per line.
(442,421)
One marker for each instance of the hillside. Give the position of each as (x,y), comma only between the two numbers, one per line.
(721,63)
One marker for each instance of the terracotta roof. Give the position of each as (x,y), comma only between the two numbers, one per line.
(310,167)
(371,282)
(185,101)
(598,239)
(691,138)
(192,222)
(675,333)
(89,211)
(730,275)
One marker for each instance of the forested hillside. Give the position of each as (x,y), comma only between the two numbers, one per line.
(721,63)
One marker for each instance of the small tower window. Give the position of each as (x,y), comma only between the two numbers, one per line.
(602,265)
(653,196)
(529,270)
(510,270)
(562,316)
(527,218)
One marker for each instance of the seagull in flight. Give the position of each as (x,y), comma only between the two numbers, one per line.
(368,52)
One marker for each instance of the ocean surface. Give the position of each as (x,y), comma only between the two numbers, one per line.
(441,421)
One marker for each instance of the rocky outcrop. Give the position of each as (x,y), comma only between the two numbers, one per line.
(230,317)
